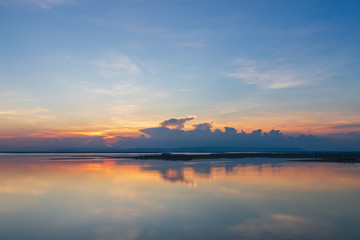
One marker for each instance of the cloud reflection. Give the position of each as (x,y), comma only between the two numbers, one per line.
(281,226)
(153,199)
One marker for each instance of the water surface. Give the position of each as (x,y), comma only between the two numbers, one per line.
(57,197)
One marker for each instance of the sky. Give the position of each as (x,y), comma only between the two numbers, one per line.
(110,70)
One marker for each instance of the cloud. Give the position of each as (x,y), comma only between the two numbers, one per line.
(23,111)
(120,89)
(281,226)
(51,144)
(353,125)
(117,66)
(23,118)
(251,72)
(203,135)
(203,126)
(192,45)
(171,134)
(45,4)
(127,93)
(277,75)
(128,101)
(177,123)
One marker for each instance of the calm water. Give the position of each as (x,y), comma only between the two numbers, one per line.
(43,198)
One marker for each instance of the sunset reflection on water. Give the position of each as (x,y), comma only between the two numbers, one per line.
(47,197)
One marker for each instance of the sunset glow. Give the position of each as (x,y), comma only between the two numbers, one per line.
(179,119)
(81,68)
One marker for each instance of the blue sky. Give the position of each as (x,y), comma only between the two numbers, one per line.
(85,67)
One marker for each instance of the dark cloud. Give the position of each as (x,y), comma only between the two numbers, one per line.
(229,131)
(49,144)
(203,135)
(171,135)
(203,126)
(357,125)
(177,123)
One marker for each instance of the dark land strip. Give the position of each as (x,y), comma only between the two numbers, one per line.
(341,157)
(347,157)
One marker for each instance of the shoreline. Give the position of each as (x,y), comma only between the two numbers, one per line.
(302,157)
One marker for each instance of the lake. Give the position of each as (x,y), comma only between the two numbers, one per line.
(54,196)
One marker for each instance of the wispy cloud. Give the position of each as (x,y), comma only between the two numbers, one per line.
(23,111)
(126,88)
(192,45)
(117,66)
(127,102)
(21,122)
(124,109)
(350,125)
(7,93)
(277,75)
(45,4)
(128,91)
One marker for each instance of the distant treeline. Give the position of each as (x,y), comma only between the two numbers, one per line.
(301,156)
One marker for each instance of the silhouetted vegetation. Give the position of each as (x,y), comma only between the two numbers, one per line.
(351,157)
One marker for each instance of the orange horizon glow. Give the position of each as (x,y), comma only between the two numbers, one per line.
(264,176)
(108,134)
(293,125)
(108,127)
